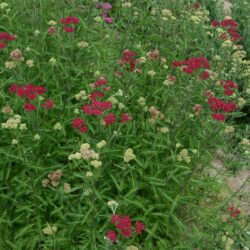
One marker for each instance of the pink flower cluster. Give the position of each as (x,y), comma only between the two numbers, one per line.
(5,38)
(192,64)
(68,21)
(124,225)
(105,14)
(30,92)
(231,26)
(104,6)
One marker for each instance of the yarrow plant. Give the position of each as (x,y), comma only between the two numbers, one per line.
(119,122)
(124,225)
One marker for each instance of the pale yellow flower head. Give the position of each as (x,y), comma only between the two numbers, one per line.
(129,155)
(101,144)
(66,188)
(30,63)
(49,230)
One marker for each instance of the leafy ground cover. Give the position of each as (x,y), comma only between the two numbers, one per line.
(111,116)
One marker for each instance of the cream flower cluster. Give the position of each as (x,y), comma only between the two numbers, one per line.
(228,242)
(119,93)
(3,5)
(164,130)
(14,142)
(37,137)
(30,63)
(113,205)
(52,23)
(17,58)
(151,73)
(81,95)
(227,44)
(101,144)
(168,82)
(154,11)
(183,156)
(200,16)
(238,62)
(167,15)
(14,122)
(7,110)
(245,142)
(52,61)
(127,5)
(142,102)
(88,154)
(241,102)
(82,44)
(57,126)
(229,129)
(115,101)
(129,155)
(49,230)
(132,248)
(37,32)
(66,188)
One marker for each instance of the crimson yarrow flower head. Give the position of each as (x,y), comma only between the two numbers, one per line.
(69,20)
(104,6)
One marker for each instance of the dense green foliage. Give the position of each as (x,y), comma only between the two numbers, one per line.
(167,183)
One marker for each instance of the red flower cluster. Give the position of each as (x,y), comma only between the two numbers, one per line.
(124,225)
(126,118)
(192,64)
(218,117)
(96,107)
(234,211)
(228,86)
(29,107)
(111,235)
(49,104)
(204,75)
(220,105)
(231,26)
(109,119)
(4,38)
(30,92)
(69,21)
(79,124)
(128,58)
